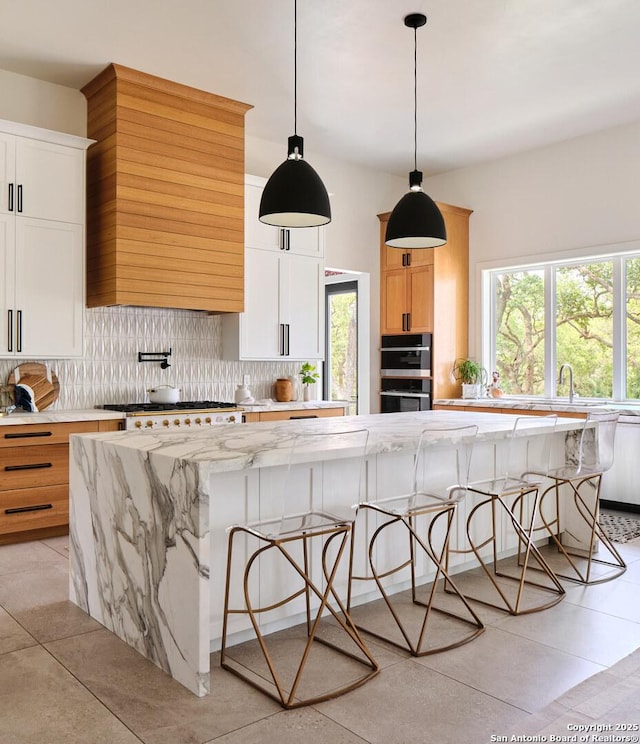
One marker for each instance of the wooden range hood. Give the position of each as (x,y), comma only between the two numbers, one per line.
(165,199)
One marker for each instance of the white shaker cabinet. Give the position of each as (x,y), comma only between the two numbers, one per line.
(42,198)
(303,241)
(284,291)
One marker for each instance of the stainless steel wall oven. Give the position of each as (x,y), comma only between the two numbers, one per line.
(405,373)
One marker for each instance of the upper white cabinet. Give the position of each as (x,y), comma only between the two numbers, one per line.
(42,208)
(284,291)
(303,241)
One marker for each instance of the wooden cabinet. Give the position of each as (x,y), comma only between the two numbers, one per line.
(511,411)
(428,291)
(34,490)
(165,203)
(41,243)
(284,292)
(291,414)
(407,300)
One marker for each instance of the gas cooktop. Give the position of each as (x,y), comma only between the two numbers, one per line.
(190,405)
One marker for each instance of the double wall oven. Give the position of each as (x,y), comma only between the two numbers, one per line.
(405,372)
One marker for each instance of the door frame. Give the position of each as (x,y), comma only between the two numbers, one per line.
(344,276)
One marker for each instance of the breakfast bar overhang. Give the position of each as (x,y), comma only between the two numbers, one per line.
(149,513)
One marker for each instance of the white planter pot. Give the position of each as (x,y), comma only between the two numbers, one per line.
(471,390)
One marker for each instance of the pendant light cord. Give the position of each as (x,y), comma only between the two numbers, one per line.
(415,98)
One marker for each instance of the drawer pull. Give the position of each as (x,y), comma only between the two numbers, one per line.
(35,507)
(28,466)
(311,415)
(28,434)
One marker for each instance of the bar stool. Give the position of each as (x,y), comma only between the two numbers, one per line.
(515,496)
(425,514)
(307,548)
(582,475)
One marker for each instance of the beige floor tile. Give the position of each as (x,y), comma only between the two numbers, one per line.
(149,702)
(26,556)
(38,600)
(618,597)
(12,635)
(517,671)
(35,587)
(42,703)
(59,544)
(291,727)
(410,703)
(580,631)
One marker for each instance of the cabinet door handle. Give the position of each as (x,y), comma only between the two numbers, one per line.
(281,339)
(283,239)
(28,466)
(11,197)
(19,339)
(35,507)
(408,321)
(9,330)
(404,321)
(28,434)
(288,240)
(287,338)
(408,255)
(19,197)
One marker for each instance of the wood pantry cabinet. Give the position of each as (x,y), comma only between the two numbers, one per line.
(165,201)
(42,197)
(284,291)
(34,490)
(427,290)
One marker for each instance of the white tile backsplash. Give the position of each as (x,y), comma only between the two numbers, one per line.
(110,372)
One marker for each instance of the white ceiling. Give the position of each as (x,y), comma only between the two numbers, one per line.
(495,76)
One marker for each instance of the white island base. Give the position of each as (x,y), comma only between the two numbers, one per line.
(149,512)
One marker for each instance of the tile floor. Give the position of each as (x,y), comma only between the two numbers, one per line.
(64,679)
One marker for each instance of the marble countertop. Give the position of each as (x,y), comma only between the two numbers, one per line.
(293,405)
(19,418)
(231,447)
(629,412)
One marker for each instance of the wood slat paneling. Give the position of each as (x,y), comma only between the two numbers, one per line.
(165,197)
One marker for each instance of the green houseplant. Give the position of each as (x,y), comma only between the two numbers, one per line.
(471,375)
(308,376)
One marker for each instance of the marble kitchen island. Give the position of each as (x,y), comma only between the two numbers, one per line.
(149,511)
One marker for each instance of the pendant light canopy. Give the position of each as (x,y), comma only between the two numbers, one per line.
(416,221)
(295,196)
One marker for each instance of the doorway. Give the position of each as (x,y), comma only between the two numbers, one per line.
(345,347)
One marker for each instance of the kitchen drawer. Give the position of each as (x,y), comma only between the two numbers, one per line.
(32,434)
(300,413)
(29,467)
(33,508)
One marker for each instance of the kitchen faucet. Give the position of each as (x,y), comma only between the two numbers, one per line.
(570,368)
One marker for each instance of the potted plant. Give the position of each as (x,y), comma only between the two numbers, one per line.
(472,376)
(309,376)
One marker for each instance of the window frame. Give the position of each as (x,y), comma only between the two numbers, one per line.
(488,274)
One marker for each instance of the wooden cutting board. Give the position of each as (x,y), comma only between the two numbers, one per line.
(34,374)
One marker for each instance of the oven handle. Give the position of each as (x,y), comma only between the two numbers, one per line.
(405,348)
(395,394)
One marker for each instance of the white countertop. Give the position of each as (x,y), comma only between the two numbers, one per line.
(629,412)
(293,405)
(230,447)
(19,418)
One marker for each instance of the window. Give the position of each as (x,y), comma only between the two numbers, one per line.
(586,313)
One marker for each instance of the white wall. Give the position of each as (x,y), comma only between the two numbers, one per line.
(576,196)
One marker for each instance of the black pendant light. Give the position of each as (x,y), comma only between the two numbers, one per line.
(416,221)
(295,196)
